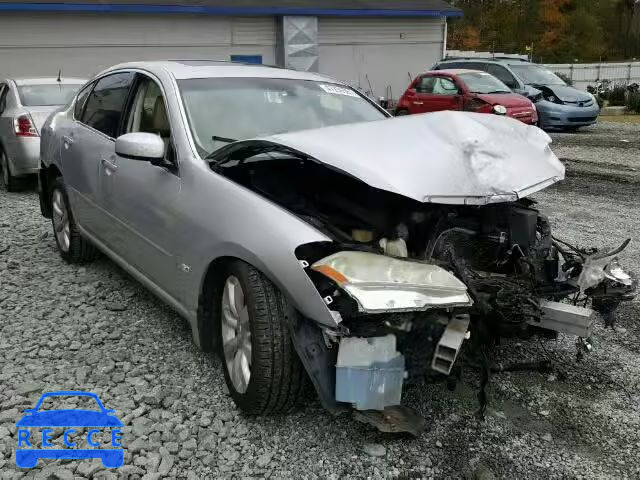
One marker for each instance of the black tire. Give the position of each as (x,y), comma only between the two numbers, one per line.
(402,112)
(80,249)
(277,377)
(10,182)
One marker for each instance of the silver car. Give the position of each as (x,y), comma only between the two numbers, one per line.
(25,104)
(306,235)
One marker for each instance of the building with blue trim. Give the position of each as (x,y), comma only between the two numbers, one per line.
(373,44)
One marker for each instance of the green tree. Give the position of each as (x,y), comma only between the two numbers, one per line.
(559,30)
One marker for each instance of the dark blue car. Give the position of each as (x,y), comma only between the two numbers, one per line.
(69,418)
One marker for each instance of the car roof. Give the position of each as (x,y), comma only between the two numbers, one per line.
(499,60)
(455,71)
(48,81)
(193,69)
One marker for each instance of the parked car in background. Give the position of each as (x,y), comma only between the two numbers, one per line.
(559,105)
(468,90)
(25,104)
(305,234)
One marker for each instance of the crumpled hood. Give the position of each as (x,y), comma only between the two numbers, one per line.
(569,94)
(444,157)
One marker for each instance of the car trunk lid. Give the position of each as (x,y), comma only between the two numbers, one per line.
(39,115)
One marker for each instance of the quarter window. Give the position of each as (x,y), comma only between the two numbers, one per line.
(81,99)
(106,103)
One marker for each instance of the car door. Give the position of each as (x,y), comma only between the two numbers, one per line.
(88,149)
(143,198)
(437,93)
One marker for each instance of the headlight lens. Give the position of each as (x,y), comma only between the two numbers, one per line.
(499,109)
(615,272)
(383,284)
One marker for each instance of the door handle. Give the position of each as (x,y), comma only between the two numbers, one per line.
(108,166)
(418,103)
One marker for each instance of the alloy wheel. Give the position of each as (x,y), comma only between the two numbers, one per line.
(236,334)
(61,225)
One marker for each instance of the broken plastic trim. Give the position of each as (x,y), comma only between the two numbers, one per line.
(381,284)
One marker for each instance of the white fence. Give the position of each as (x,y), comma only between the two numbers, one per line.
(584,74)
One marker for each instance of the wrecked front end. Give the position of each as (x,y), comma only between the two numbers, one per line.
(481,274)
(432,248)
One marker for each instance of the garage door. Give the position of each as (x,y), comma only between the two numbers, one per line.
(379,54)
(37,44)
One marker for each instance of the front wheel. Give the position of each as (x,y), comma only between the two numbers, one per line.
(72,246)
(402,112)
(261,367)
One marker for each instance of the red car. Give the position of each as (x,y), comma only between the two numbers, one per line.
(468,90)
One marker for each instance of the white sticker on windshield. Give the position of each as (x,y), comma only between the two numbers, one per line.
(338,90)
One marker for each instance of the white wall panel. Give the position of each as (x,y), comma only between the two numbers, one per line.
(375,54)
(80,44)
(375,31)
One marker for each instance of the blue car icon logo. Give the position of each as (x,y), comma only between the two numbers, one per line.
(68,419)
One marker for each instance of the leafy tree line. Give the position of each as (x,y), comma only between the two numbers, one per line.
(559,31)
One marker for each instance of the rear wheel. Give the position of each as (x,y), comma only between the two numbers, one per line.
(261,367)
(71,245)
(11,183)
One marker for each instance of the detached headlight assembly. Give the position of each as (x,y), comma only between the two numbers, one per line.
(615,272)
(385,284)
(499,109)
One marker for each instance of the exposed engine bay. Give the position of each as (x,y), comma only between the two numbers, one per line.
(520,279)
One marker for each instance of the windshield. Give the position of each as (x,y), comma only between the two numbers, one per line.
(64,402)
(46,95)
(536,75)
(480,82)
(221,110)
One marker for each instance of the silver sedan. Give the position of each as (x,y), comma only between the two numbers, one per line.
(25,104)
(306,235)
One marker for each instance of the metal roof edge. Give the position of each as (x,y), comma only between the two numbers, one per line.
(209,10)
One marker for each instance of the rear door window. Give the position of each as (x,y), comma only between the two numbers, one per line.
(106,103)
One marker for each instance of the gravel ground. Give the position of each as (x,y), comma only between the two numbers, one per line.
(94,328)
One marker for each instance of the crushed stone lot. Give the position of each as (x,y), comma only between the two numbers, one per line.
(94,328)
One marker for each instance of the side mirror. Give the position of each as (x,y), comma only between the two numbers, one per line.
(140,146)
(29,411)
